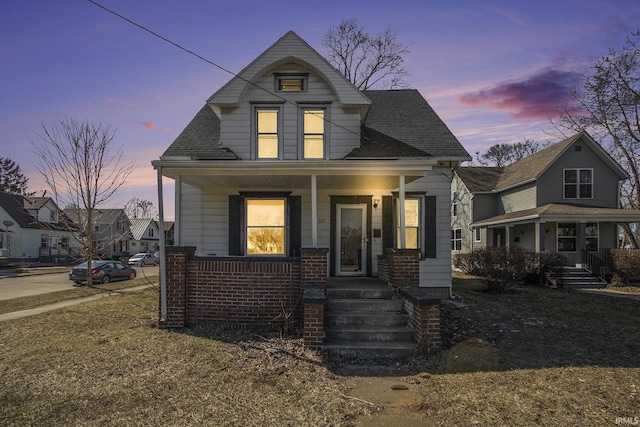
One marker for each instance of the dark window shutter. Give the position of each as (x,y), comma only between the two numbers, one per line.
(235,225)
(388,230)
(430,242)
(295,225)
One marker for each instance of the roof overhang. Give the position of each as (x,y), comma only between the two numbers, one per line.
(259,175)
(562,213)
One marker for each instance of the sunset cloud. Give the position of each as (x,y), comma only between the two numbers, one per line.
(540,96)
(148,125)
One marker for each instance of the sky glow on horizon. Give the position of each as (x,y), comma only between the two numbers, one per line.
(494,71)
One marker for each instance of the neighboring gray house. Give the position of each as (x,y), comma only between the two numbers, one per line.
(112,230)
(34,229)
(145,235)
(564,199)
(290,154)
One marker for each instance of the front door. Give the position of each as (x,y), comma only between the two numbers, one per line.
(352,239)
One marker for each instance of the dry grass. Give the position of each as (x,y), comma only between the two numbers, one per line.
(29,302)
(541,357)
(106,363)
(531,356)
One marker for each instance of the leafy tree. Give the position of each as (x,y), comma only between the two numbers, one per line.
(11,178)
(608,107)
(505,154)
(368,61)
(140,208)
(75,160)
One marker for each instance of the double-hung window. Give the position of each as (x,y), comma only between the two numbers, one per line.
(411,224)
(578,183)
(456,239)
(591,236)
(567,235)
(265,226)
(313,133)
(267,135)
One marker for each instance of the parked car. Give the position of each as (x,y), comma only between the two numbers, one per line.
(143,258)
(102,272)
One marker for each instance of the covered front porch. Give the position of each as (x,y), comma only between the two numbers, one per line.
(567,229)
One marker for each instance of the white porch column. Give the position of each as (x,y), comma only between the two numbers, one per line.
(403,234)
(178,210)
(163,267)
(540,236)
(314,212)
(507,235)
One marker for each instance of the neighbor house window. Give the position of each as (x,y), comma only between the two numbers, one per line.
(151,232)
(267,133)
(44,241)
(53,216)
(578,183)
(477,234)
(567,237)
(265,229)
(313,125)
(454,204)
(411,223)
(291,83)
(591,236)
(456,239)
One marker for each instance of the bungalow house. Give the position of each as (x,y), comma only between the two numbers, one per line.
(564,198)
(145,235)
(111,228)
(289,168)
(34,229)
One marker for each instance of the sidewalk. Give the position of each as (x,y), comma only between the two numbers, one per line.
(32,271)
(607,292)
(50,307)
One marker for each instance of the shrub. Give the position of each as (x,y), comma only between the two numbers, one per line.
(502,267)
(626,265)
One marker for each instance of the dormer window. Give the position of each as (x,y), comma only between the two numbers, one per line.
(267,133)
(291,83)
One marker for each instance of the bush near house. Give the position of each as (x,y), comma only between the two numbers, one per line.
(626,266)
(499,268)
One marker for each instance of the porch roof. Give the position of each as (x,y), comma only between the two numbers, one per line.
(555,212)
(270,175)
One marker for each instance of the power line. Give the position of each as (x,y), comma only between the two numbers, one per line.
(202,58)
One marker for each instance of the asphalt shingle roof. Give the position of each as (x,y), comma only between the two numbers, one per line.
(200,139)
(479,179)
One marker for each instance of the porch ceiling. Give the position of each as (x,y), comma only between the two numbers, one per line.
(562,213)
(262,176)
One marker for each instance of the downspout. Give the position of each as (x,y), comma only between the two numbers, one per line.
(163,269)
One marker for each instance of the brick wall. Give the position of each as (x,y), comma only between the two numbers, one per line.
(241,292)
(424,317)
(403,267)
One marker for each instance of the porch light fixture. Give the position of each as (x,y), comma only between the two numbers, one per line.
(375,203)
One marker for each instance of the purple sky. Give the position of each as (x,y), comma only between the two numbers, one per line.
(495,71)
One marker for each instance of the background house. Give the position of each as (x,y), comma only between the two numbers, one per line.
(563,199)
(145,235)
(35,229)
(111,228)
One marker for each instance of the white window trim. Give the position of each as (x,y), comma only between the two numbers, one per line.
(577,184)
(455,239)
(254,130)
(278,77)
(420,227)
(558,237)
(245,227)
(327,120)
(477,234)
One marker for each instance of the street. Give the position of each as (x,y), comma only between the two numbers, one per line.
(35,284)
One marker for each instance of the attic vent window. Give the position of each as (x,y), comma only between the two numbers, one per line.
(288,83)
(578,148)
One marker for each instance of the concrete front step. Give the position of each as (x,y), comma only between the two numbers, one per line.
(371,350)
(364,318)
(378,334)
(363,293)
(378,305)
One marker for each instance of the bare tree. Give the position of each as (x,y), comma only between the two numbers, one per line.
(505,154)
(11,178)
(76,162)
(368,61)
(140,208)
(608,107)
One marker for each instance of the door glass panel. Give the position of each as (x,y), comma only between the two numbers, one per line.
(350,239)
